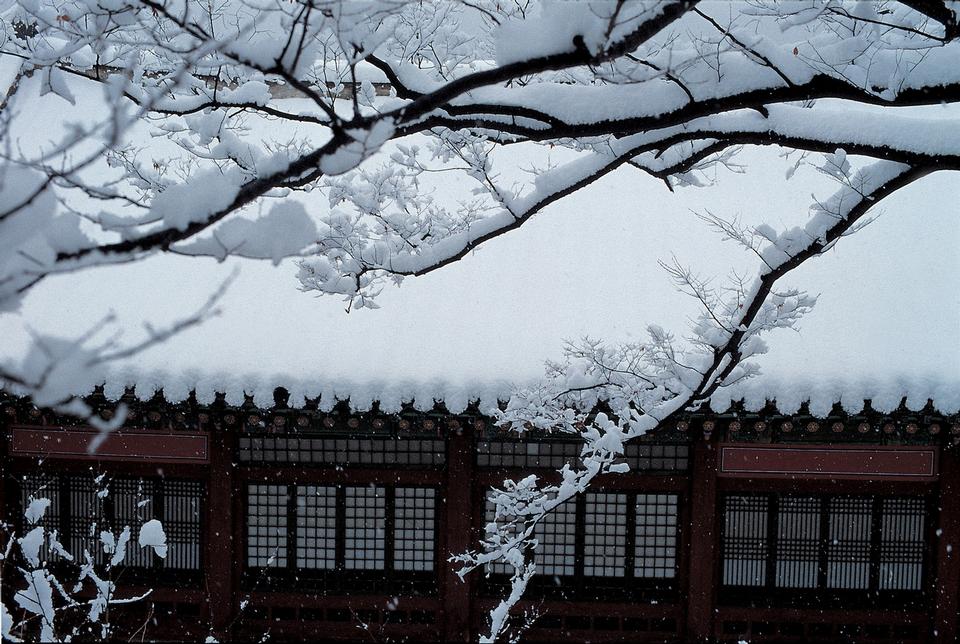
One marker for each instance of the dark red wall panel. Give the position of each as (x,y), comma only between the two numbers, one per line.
(73,443)
(908,463)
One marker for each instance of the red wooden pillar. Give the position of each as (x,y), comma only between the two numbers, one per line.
(456,527)
(221,550)
(703,540)
(947,612)
(6,472)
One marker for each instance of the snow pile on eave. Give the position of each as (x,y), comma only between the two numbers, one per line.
(885,395)
(820,396)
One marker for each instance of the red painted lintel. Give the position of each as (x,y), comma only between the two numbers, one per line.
(75,443)
(903,463)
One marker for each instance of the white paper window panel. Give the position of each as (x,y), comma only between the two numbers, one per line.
(86,518)
(414,538)
(38,486)
(849,522)
(489,515)
(181,521)
(655,554)
(745,530)
(316,527)
(556,534)
(898,575)
(745,572)
(798,542)
(266,526)
(902,528)
(605,534)
(365,528)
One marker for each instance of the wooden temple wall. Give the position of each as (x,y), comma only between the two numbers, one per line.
(767,539)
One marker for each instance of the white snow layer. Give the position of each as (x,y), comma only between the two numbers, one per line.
(885,327)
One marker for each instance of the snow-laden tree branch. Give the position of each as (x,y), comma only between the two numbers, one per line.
(589,77)
(649,384)
(49,608)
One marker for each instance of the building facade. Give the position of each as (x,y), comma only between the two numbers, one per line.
(307,523)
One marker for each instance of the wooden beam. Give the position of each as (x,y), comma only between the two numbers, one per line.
(832,462)
(456,530)
(701,575)
(122,445)
(7,479)
(221,550)
(947,589)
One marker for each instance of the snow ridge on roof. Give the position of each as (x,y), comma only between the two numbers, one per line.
(788,396)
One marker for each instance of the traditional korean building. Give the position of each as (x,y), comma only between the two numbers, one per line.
(310,522)
(314,471)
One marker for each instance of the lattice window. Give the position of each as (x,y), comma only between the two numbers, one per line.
(798,542)
(414,528)
(855,543)
(533,453)
(557,535)
(745,546)
(317,527)
(131,500)
(374,451)
(656,536)
(605,535)
(656,457)
(177,504)
(342,528)
(82,508)
(267,525)
(554,454)
(902,544)
(39,486)
(848,546)
(621,535)
(181,522)
(366,514)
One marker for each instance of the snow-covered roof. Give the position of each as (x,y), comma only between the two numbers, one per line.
(886,325)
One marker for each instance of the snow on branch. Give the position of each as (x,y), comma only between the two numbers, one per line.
(621,69)
(52,610)
(649,384)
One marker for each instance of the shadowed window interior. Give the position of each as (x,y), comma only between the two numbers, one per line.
(78,502)
(555,453)
(342,528)
(606,534)
(342,451)
(844,543)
